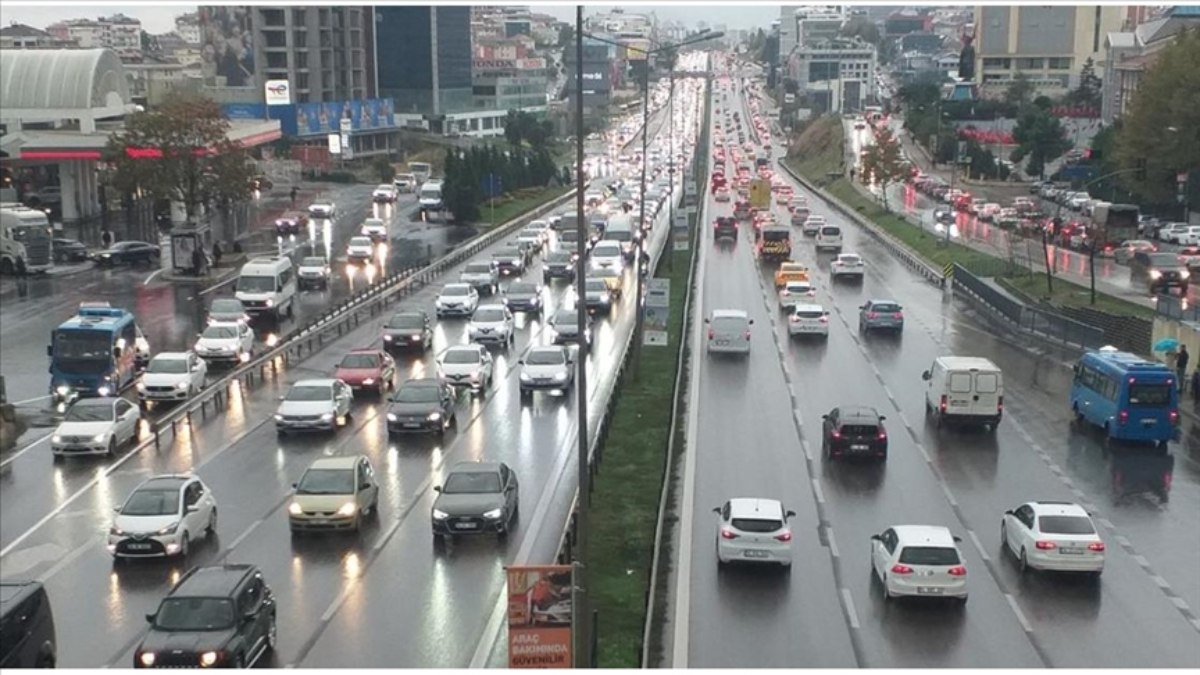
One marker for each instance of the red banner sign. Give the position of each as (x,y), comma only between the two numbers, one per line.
(539,616)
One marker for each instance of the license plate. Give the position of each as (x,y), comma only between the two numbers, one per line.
(1071,551)
(755,554)
(319,521)
(929,590)
(412,425)
(723,343)
(138,547)
(465,526)
(1149,421)
(858,447)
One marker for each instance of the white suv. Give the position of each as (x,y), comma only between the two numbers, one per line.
(172,376)
(456,300)
(491,324)
(807,319)
(1057,536)
(847,265)
(752,530)
(919,560)
(829,237)
(323,209)
(547,369)
(162,516)
(226,341)
(466,366)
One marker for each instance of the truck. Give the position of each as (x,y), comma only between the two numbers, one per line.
(1113,224)
(775,245)
(26,240)
(97,352)
(422,171)
(429,199)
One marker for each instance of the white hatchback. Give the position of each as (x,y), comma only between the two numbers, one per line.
(1055,536)
(919,560)
(729,331)
(162,516)
(755,531)
(491,324)
(808,320)
(794,293)
(847,265)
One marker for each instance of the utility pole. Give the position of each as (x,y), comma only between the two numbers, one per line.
(581,622)
(641,244)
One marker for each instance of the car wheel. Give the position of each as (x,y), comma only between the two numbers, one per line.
(185,545)
(291,310)
(211,529)
(1003,537)
(112,447)
(887,592)
(1023,562)
(239,662)
(961,602)
(272,633)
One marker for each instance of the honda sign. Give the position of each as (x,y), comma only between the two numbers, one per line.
(277,92)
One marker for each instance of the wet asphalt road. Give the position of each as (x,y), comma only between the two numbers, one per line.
(759,434)
(422,606)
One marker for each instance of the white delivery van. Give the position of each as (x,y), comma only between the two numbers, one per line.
(267,286)
(620,229)
(829,237)
(430,197)
(421,171)
(964,389)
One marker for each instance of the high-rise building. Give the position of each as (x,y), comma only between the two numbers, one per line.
(425,59)
(1047,43)
(323,52)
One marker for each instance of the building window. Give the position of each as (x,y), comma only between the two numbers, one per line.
(275,39)
(1000,64)
(277,60)
(273,17)
(300,39)
(993,77)
(1060,63)
(1031,64)
(301,59)
(299,17)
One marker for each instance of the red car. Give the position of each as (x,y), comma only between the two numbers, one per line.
(367,370)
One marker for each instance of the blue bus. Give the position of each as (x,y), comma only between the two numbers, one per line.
(1127,396)
(97,352)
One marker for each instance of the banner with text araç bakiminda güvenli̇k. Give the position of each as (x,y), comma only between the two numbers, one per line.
(539,616)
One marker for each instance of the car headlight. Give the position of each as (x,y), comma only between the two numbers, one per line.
(560,377)
(1155,274)
(327,417)
(146,659)
(99,438)
(437,303)
(170,529)
(295,509)
(433,417)
(56,439)
(525,377)
(391,417)
(141,386)
(116,531)
(440,515)
(62,390)
(369,381)
(1184,274)
(270,302)
(346,509)
(387,338)
(493,514)
(103,390)
(208,659)
(278,417)
(181,385)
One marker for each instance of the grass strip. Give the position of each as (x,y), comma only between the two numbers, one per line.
(516,204)
(626,492)
(1067,294)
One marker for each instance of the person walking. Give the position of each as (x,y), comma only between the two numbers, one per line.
(216,254)
(1196,385)
(106,238)
(295,191)
(1181,364)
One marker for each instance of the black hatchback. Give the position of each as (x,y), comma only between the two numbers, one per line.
(1160,271)
(725,228)
(854,431)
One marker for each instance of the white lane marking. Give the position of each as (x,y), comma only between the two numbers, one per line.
(24,450)
(1123,541)
(816,483)
(978,545)
(67,560)
(904,419)
(31,400)
(219,284)
(484,649)
(807,453)
(1159,581)
(949,495)
(1012,602)
(1107,523)
(151,277)
(848,602)
(833,547)
(241,537)
(341,598)
(921,449)
(1141,560)
(1180,603)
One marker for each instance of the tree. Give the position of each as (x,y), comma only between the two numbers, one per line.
(384,169)
(1161,126)
(883,163)
(181,151)
(1087,95)
(1040,136)
(1019,92)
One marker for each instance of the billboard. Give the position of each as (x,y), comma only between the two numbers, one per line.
(657,312)
(323,118)
(277,92)
(227,45)
(539,616)
(760,193)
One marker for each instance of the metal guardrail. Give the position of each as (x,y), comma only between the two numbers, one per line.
(1174,307)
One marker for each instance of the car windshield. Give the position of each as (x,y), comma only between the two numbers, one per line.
(152,502)
(885,307)
(326,482)
(308,392)
(619,235)
(558,257)
(256,284)
(313,261)
(488,315)
(226,306)
(1065,525)
(360,361)
(406,321)
(756,524)
(568,236)
(461,356)
(161,364)
(595,285)
(220,332)
(929,555)
(849,259)
(417,394)
(478,268)
(455,291)
(194,614)
(546,357)
(522,288)
(726,324)
(472,483)
(1163,259)
(360,242)
(565,317)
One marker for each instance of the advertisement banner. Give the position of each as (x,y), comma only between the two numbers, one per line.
(539,616)
(760,193)
(657,312)
(323,118)
(335,144)
(227,44)
(680,232)
(636,49)
(277,92)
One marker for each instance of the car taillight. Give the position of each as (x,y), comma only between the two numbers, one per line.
(1166,480)
(836,434)
(1123,417)
(1045,545)
(872,315)
(746,334)
(942,403)
(1096,546)
(728,534)
(711,333)
(901,569)
(1173,416)
(959,571)
(898,315)
(882,436)
(824,319)
(785,536)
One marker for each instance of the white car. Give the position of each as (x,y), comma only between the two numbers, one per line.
(384,193)
(467,366)
(313,272)
(226,341)
(172,376)
(314,405)
(162,517)
(794,293)
(1168,232)
(491,324)
(531,238)
(919,560)
(542,227)
(607,255)
(375,228)
(95,426)
(325,210)
(808,319)
(1055,536)
(812,225)
(456,300)
(847,265)
(360,249)
(753,530)
(548,368)
(729,331)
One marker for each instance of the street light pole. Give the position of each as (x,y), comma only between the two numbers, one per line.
(641,242)
(580,604)
(671,158)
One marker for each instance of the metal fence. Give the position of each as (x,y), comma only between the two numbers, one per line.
(1178,308)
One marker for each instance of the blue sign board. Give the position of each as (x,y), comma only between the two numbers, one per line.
(319,119)
(491,185)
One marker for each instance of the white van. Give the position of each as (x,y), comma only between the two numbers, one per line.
(404,182)
(620,229)
(829,237)
(964,389)
(267,286)
(729,331)
(430,198)
(421,171)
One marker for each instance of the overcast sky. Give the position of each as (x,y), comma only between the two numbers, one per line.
(160,17)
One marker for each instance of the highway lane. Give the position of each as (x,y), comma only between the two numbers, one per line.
(967,482)
(68,553)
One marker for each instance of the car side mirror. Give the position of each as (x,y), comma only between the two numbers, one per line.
(1009,513)
(282,398)
(116,509)
(49,350)
(824,417)
(882,418)
(957,539)
(437,488)
(192,508)
(750,322)
(116,352)
(295,485)
(522,362)
(717,510)
(365,485)
(790,514)
(150,617)
(708,321)
(876,537)
(927,376)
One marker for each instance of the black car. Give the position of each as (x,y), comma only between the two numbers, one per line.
(477,498)
(559,265)
(69,250)
(854,431)
(725,227)
(524,296)
(420,405)
(565,325)
(409,329)
(1160,271)
(291,223)
(27,637)
(215,617)
(510,260)
(127,253)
